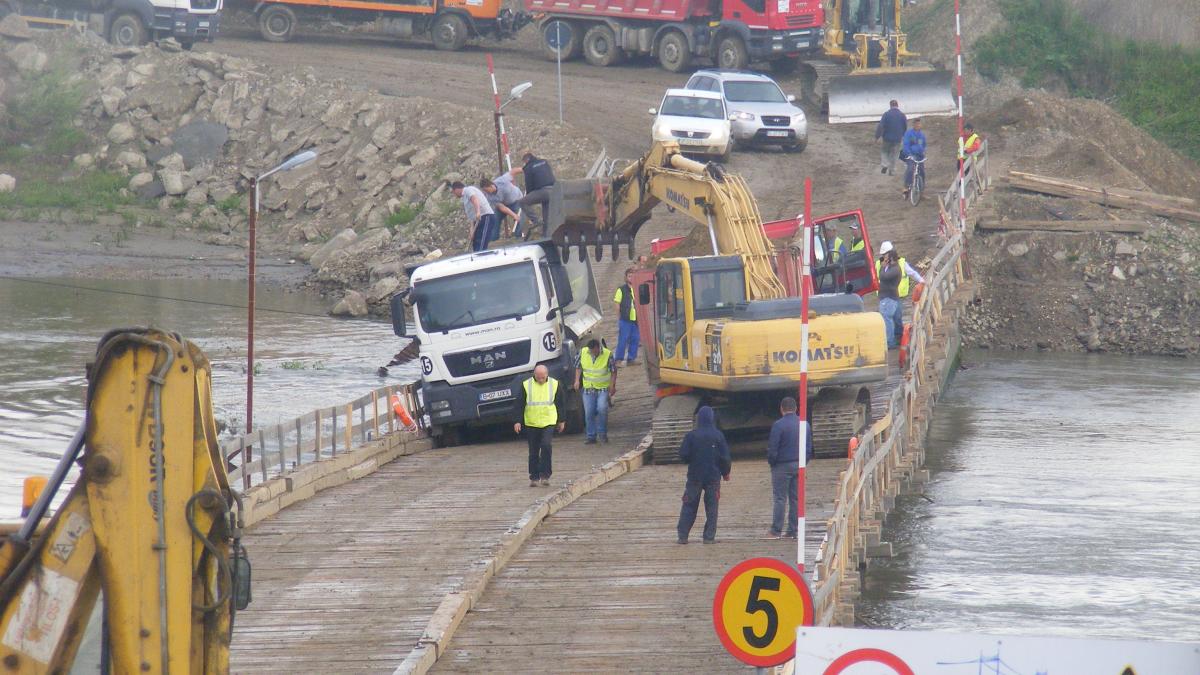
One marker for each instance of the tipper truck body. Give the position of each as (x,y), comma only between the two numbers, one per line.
(126,23)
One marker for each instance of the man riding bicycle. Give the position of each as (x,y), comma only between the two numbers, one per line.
(913,146)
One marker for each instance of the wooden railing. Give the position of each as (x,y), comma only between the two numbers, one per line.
(890,455)
(273,451)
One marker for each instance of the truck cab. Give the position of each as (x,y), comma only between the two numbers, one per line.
(484,321)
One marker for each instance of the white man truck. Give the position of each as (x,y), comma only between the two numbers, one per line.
(126,23)
(484,321)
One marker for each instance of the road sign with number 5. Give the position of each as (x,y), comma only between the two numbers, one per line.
(758,607)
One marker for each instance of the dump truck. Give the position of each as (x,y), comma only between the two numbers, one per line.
(126,23)
(731,33)
(483,321)
(449,24)
(866,63)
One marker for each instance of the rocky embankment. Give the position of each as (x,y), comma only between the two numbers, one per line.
(189,129)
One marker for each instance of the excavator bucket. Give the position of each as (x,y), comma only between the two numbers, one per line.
(863,97)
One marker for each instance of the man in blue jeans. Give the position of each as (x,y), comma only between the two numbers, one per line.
(596,372)
(895,276)
(783,455)
(627,330)
(914,151)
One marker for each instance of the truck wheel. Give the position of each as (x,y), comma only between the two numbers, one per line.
(600,46)
(673,53)
(731,53)
(449,32)
(575,419)
(127,30)
(448,438)
(277,23)
(558,30)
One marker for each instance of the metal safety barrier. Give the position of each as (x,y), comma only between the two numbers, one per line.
(274,451)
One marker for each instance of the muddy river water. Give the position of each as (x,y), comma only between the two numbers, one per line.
(1065,500)
(49,329)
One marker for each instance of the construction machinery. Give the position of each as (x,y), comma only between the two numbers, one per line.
(152,526)
(868,64)
(723,329)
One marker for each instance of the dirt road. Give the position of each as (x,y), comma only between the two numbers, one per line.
(609,104)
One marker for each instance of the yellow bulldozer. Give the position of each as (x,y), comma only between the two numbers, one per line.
(151,526)
(724,329)
(868,64)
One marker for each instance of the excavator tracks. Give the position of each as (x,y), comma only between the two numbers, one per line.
(673,419)
(837,415)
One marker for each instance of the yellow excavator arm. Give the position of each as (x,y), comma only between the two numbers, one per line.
(151,522)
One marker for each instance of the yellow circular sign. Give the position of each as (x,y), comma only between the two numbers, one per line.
(758,607)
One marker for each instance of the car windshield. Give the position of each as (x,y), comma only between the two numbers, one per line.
(754,92)
(691,106)
(477,297)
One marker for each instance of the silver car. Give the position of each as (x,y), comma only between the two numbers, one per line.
(759,110)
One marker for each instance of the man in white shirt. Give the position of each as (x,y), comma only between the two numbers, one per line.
(484,227)
(505,197)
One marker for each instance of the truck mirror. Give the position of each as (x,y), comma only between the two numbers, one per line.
(644,294)
(399,324)
(653,111)
(562,285)
(791,98)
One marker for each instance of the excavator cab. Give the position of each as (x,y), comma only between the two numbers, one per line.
(845,268)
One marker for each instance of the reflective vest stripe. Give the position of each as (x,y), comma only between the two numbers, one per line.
(860,245)
(539,403)
(595,371)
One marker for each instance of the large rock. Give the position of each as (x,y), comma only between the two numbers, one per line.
(352,304)
(83,161)
(336,243)
(122,132)
(7,183)
(28,58)
(172,162)
(200,141)
(172,182)
(14,26)
(382,290)
(141,179)
(131,159)
(196,196)
(383,133)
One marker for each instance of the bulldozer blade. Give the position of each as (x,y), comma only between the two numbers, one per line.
(864,97)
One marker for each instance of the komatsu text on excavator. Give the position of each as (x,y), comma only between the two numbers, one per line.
(151,525)
(724,328)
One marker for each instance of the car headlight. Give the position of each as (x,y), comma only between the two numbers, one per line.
(719,134)
(744,116)
(798,118)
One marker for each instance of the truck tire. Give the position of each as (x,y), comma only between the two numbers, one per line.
(277,23)
(127,30)
(449,437)
(575,422)
(732,54)
(600,46)
(449,32)
(571,46)
(673,52)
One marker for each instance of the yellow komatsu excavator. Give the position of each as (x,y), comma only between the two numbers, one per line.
(726,327)
(151,526)
(871,65)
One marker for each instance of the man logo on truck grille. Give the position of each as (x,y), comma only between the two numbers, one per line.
(426,365)
(489,359)
(550,342)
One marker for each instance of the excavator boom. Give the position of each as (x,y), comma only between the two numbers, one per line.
(150,523)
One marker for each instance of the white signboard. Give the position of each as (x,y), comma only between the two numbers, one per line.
(851,651)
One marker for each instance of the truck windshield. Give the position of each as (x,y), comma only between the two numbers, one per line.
(691,106)
(477,297)
(753,92)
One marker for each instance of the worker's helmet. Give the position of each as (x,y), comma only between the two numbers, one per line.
(885,247)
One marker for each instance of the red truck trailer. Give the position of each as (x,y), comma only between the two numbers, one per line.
(732,33)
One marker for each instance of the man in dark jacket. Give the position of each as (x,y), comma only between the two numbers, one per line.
(783,455)
(706,453)
(890,130)
(540,411)
(539,178)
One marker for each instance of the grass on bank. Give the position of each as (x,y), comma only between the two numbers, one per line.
(96,190)
(1154,86)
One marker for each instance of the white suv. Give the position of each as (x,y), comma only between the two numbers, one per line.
(760,111)
(697,120)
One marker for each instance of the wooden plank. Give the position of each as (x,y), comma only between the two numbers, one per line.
(1126,226)
(1125,193)
(283,468)
(1104,196)
(349,427)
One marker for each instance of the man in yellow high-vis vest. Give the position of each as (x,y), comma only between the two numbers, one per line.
(540,406)
(627,328)
(596,373)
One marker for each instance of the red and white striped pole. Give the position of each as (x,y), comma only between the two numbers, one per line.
(802,394)
(502,157)
(962,189)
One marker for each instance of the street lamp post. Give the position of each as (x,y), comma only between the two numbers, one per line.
(288,165)
(502,156)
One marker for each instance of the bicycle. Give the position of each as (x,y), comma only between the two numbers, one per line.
(918,181)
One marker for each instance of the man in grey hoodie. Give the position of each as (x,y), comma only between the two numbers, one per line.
(706,453)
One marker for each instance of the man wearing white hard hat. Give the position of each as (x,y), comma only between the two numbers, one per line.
(894,274)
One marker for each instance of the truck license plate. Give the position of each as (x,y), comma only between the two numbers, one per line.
(495,395)
(777,134)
